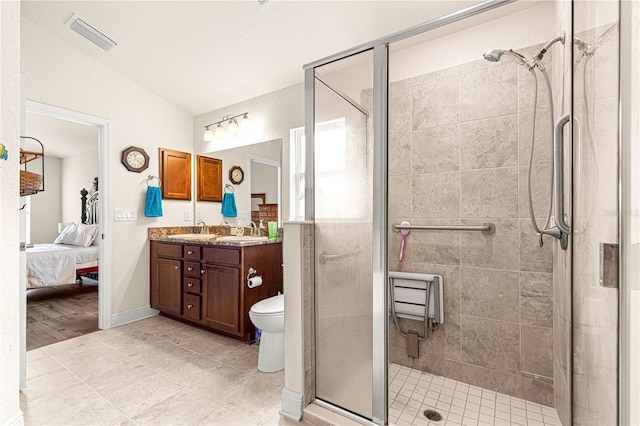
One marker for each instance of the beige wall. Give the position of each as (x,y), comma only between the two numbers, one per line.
(78,172)
(458,153)
(272,116)
(9,216)
(73,80)
(46,207)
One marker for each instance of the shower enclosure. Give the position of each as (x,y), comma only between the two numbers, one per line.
(420,127)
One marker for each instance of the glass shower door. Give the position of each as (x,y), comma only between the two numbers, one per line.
(343,235)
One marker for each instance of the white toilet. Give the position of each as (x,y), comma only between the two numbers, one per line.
(268,316)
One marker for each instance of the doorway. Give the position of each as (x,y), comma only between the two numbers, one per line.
(102,172)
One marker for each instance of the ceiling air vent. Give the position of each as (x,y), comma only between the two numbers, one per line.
(91,33)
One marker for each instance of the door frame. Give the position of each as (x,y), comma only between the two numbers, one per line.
(104,176)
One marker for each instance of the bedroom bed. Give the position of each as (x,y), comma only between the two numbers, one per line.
(73,253)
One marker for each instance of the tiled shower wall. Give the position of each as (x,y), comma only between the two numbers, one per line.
(458,152)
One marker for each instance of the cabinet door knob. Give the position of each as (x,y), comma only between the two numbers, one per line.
(189,284)
(189,269)
(175,267)
(189,252)
(202,271)
(189,306)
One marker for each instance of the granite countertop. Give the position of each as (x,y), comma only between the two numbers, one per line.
(210,238)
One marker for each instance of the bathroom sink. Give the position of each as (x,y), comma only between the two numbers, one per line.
(192,236)
(241,239)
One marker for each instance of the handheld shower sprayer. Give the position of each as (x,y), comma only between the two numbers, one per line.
(494,55)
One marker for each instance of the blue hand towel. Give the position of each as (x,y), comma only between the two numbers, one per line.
(229,205)
(153,205)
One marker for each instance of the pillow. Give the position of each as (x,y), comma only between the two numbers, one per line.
(69,229)
(78,235)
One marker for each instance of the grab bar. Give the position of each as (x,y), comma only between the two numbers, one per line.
(324,257)
(558,150)
(486,228)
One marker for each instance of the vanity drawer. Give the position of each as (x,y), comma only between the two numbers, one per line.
(168,250)
(191,285)
(229,256)
(192,269)
(191,306)
(192,252)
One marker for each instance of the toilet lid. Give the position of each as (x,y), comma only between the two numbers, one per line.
(272,305)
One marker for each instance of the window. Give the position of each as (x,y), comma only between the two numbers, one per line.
(330,164)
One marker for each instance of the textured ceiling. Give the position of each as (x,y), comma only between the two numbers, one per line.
(63,138)
(203,56)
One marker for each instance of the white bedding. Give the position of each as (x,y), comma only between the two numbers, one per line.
(55,264)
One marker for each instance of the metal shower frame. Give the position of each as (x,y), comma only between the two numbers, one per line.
(380,49)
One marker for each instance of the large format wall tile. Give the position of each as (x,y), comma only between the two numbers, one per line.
(532,256)
(436,149)
(399,154)
(543,137)
(489,143)
(491,344)
(435,104)
(541,191)
(489,93)
(498,381)
(489,192)
(399,196)
(490,294)
(498,251)
(466,152)
(442,247)
(536,298)
(537,350)
(436,195)
(399,109)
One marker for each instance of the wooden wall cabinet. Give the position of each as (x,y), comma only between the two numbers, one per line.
(209,179)
(206,285)
(175,174)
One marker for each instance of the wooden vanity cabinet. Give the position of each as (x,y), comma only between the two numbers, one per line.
(207,285)
(166,276)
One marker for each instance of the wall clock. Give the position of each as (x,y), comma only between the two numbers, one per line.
(236,175)
(135,159)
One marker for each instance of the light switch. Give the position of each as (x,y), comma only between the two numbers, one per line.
(125,214)
(187,215)
(199,215)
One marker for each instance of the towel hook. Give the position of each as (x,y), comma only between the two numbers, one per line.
(152,177)
(229,189)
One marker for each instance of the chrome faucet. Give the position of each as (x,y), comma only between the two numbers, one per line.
(254,228)
(203,227)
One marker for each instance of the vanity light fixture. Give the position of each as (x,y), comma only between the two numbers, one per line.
(232,127)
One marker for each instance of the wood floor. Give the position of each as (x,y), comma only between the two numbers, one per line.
(60,313)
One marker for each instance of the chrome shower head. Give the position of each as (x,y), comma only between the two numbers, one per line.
(494,55)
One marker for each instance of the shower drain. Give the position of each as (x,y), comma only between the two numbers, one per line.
(432,415)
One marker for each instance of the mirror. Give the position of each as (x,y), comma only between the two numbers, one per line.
(261,164)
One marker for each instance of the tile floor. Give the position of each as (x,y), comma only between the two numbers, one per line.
(152,372)
(411,392)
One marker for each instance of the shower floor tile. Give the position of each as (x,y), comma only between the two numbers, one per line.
(411,392)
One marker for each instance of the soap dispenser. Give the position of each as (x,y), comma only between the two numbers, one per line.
(261,228)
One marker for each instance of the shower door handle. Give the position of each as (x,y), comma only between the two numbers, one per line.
(558,159)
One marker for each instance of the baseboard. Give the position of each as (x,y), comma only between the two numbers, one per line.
(122,318)
(15,420)
(291,406)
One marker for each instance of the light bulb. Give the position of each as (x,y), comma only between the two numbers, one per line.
(208,135)
(232,127)
(245,123)
(220,132)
